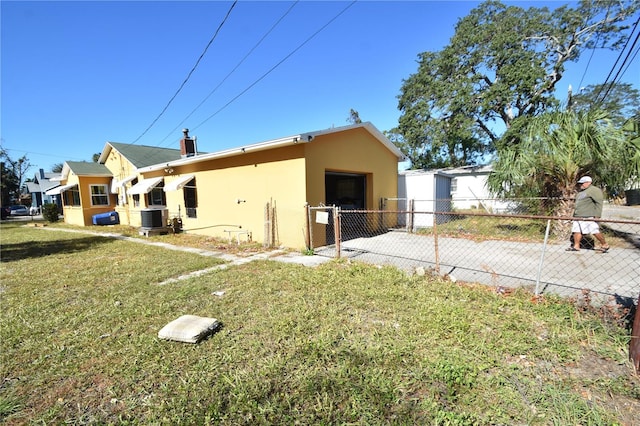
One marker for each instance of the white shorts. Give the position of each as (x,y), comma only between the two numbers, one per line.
(585,227)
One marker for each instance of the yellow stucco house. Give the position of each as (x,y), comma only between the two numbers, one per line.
(256,191)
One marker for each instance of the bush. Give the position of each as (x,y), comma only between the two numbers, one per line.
(50,212)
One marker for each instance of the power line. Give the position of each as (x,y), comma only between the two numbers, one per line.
(188,75)
(232,71)
(615,65)
(277,64)
(631,61)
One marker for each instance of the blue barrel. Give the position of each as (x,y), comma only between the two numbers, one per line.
(109,218)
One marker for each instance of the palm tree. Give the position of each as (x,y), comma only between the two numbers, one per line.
(558,147)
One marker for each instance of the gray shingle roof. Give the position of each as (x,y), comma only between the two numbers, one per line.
(85,168)
(144,156)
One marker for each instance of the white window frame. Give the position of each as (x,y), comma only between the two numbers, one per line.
(97,196)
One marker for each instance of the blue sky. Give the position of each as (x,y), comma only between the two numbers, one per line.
(77,74)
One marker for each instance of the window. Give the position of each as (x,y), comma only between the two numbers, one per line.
(190,198)
(156,196)
(99,195)
(71,197)
(136,197)
(454,185)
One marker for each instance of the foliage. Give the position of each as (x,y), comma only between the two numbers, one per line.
(50,212)
(354,117)
(557,148)
(57,168)
(502,64)
(621,101)
(343,343)
(9,184)
(12,173)
(631,129)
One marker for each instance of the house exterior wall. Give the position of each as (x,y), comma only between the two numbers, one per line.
(82,215)
(354,151)
(276,177)
(73,215)
(121,168)
(470,190)
(233,189)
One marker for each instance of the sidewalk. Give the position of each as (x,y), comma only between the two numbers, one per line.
(277,255)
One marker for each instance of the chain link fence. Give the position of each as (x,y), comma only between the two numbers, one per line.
(504,250)
(494,242)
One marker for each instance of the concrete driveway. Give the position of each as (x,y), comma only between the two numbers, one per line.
(547,269)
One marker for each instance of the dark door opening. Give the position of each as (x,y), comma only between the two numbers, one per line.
(346,190)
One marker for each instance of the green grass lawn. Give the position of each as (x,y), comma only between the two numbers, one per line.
(343,343)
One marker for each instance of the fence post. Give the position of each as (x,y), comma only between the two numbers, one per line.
(435,242)
(410,221)
(308,240)
(336,230)
(544,248)
(634,343)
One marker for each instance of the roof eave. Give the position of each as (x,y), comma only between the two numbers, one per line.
(105,153)
(277,143)
(261,146)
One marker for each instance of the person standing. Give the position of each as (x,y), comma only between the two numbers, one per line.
(588,206)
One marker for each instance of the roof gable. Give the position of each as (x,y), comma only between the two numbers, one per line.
(84,168)
(141,155)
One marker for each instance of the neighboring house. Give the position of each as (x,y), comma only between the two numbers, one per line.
(423,191)
(83,191)
(259,190)
(42,182)
(134,193)
(469,186)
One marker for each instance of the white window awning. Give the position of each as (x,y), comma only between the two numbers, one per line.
(58,189)
(145,185)
(178,183)
(115,183)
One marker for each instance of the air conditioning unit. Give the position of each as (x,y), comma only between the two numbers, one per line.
(154,219)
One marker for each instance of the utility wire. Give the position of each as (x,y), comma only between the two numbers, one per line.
(633,58)
(188,75)
(620,72)
(277,65)
(273,27)
(615,65)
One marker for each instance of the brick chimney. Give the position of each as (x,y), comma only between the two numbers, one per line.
(187,145)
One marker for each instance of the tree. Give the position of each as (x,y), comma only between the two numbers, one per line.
(57,168)
(502,63)
(354,117)
(621,100)
(12,174)
(558,147)
(8,184)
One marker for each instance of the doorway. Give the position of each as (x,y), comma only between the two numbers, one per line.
(345,190)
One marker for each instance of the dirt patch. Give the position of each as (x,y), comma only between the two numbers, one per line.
(604,374)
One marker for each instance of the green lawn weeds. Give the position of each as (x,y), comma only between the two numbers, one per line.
(342,343)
